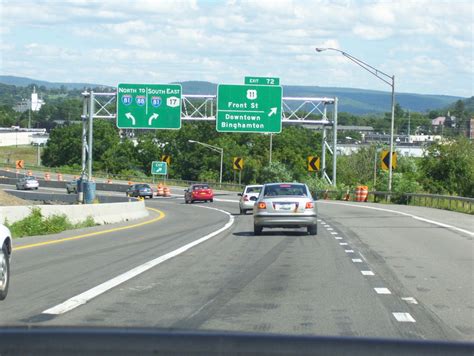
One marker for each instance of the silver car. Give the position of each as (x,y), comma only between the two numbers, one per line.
(248,197)
(28,182)
(285,205)
(5,258)
(71,186)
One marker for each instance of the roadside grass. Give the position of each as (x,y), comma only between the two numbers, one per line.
(10,154)
(36,224)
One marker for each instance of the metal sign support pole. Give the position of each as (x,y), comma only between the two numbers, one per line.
(91,125)
(334,144)
(80,196)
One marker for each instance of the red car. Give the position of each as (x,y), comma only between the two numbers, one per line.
(198,192)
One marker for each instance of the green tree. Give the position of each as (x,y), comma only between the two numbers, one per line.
(64,146)
(275,172)
(449,167)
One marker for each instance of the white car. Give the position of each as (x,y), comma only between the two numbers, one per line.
(5,258)
(248,197)
(27,182)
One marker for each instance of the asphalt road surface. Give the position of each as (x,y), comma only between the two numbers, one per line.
(368,272)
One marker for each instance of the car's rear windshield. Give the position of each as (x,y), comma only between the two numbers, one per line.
(142,186)
(285,189)
(254,189)
(195,187)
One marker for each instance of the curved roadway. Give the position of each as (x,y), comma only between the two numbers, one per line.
(374,273)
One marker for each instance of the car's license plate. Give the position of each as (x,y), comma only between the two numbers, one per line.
(285,207)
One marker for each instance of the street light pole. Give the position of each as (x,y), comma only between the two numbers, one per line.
(216,149)
(390,80)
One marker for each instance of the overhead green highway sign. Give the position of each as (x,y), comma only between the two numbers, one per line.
(149,106)
(158,167)
(262,81)
(248,108)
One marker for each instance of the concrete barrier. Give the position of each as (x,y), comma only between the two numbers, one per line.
(55,184)
(101,213)
(66,198)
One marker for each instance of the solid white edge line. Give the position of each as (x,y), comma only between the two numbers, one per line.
(406,214)
(88,295)
(404,317)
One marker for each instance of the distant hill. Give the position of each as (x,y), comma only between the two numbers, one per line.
(23,82)
(468,105)
(356,101)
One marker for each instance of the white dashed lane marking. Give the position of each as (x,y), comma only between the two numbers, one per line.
(399,316)
(410,300)
(382,291)
(404,317)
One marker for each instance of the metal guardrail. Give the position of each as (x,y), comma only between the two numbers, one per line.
(105,176)
(439,201)
(447,202)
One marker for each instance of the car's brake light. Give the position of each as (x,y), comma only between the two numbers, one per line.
(262,205)
(309,205)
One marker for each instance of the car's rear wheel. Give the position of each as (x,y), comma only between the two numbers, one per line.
(212,200)
(313,229)
(4,272)
(257,230)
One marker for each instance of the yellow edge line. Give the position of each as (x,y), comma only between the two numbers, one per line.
(38,244)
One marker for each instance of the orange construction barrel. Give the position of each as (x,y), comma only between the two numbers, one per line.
(166,191)
(160,190)
(47,176)
(361,193)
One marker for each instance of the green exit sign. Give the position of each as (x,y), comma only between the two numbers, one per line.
(149,106)
(158,167)
(249,108)
(262,81)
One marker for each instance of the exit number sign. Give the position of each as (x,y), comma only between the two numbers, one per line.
(262,81)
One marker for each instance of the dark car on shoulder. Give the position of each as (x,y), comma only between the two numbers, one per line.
(139,190)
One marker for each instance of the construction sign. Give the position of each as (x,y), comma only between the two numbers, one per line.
(385,160)
(238,163)
(314,163)
(167,159)
(20,164)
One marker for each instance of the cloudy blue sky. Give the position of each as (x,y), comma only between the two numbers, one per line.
(427,45)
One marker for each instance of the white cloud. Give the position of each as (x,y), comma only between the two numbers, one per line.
(190,39)
(457,43)
(372,32)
